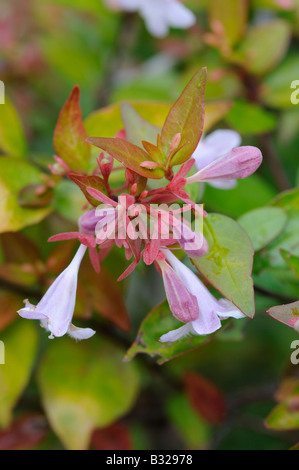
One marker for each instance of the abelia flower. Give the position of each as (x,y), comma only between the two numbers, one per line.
(158,15)
(55,310)
(213,146)
(211,310)
(220,161)
(239,163)
(182,302)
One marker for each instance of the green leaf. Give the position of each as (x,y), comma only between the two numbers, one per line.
(249,118)
(138,129)
(195,431)
(20,341)
(108,121)
(264,46)
(285,416)
(224,14)
(131,156)
(85,386)
(287,314)
(186,117)
(271,271)
(15,174)
(263,225)
(235,202)
(12,137)
(158,322)
(276,88)
(70,134)
(291,260)
(228,264)
(215,111)
(68,200)
(288,200)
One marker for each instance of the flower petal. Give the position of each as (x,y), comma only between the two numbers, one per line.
(239,163)
(79,333)
(178,15)
(216,144)
(176,335)
(182,303)
(228,184)
(228,309)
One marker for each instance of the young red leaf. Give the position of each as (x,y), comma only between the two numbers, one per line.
(70,135)
(114,437)
(10,303)
(92,181)
(25,432)
(205,397)
(186,117)
(128,154)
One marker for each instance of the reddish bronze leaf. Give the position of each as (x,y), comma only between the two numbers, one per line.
(130,155)
(92,181)
(70,134)
(9,304)
(25,432)
(114,437)
(61,256)
(17,248)
(206,399)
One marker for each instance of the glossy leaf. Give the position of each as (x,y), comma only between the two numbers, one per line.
(69,201)
(205,398)
(263,225)
(9,304)
(291,260)
(223,15)
(138,129)
(26,432)
(276,90)
(285,416)
(130,155)
(86,181)
(158,322)
(12,137)
(85,386)
(18,248)
(14,217)
(186,117)
(70,134)
(23,275)
(264,46)
(20,341)
(287,314)
(114,437)
(248,118)
(228,264)
(193,429)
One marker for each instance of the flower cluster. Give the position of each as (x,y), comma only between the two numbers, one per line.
(149,226)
